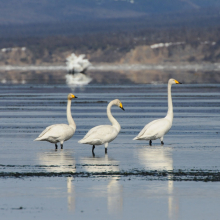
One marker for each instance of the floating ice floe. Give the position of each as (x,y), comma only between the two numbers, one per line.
(77,64)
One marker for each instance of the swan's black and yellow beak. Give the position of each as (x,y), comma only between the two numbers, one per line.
(74,97)
(177,82)
(121,106)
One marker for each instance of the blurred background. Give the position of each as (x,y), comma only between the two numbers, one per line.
(124,41)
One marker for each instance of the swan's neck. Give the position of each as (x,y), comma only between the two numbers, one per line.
(170,104)
(111,118)
(69,116)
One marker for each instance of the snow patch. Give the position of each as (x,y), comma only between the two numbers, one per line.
(9,49)
(154,46)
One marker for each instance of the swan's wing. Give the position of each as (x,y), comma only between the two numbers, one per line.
(145,129)
(91,131)
(100,134)
(81,56)
(46,130)
(60,130)
(57,132)
(155,129)
(159,128)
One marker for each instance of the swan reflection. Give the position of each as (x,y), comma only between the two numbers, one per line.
(114,188)
(57,162)
(160,158)
(115,196)
(70,194)
(77,80)
(156,157)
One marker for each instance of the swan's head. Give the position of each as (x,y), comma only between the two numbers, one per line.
(173,81)
(118,103)
(71,96)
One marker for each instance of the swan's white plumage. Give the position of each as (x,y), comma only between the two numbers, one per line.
(100,135)
(158,128)
(77,64)
(154,130)
(56,133)
(60,132)
(103,134)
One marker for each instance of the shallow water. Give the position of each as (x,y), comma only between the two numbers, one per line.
(133,179)
(108,198)
(145,76)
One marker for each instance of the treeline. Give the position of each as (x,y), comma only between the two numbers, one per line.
(114,45)
(116,39)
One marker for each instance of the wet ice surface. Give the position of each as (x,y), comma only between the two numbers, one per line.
(116,185)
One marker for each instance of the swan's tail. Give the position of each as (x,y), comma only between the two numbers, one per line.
(81,141)
(37,139)
(84,141)
(140,138)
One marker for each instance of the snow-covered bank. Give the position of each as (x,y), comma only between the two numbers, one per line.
(31,68)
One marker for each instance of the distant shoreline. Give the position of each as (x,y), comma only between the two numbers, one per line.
(119,67)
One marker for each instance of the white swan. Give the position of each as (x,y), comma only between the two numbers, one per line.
(103,134)
(60,132)
(158,128)
(77,64)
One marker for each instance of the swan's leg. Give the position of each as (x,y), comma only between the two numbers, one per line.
(61,145)
(56,146)
(161,139)
(106,147)
(150,142)
(93,147)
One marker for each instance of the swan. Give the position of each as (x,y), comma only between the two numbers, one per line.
(103,134)
(77,64)
(158,128)
(60,132)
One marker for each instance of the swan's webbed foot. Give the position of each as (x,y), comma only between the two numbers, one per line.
(61,146)
(162,143)
(56,146)
(150,142)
